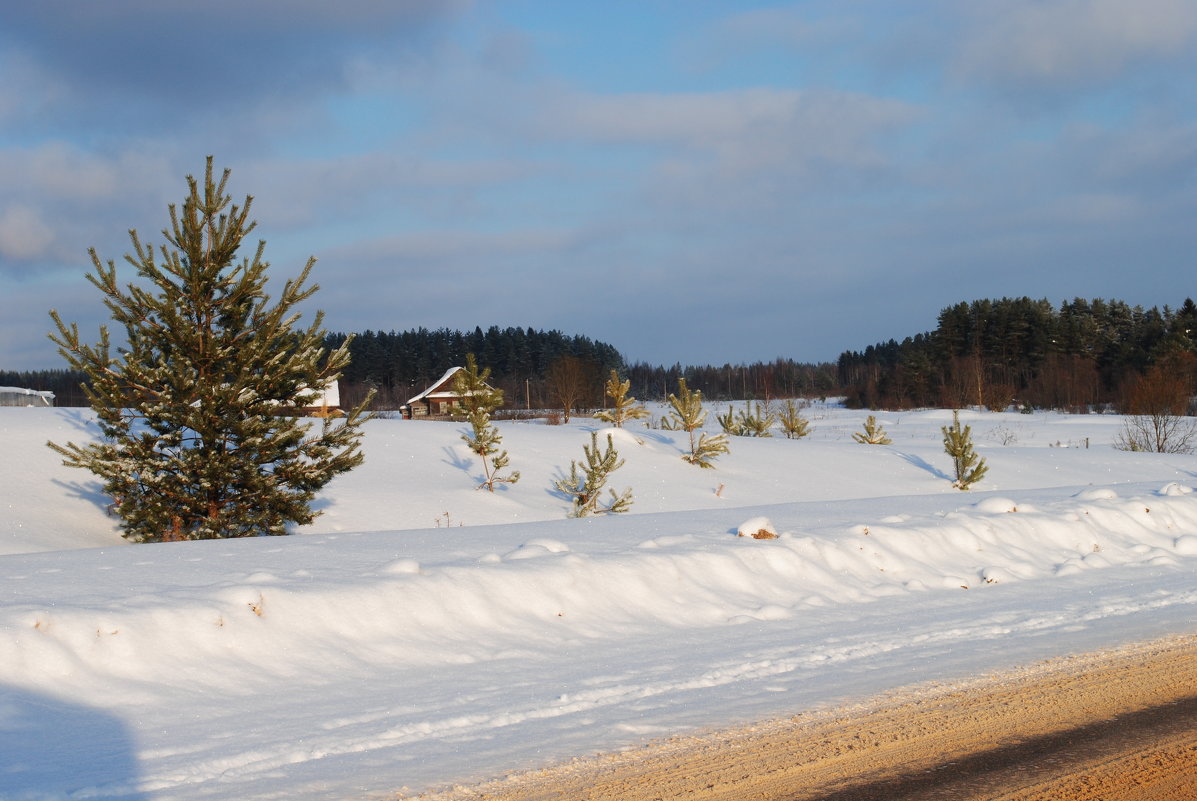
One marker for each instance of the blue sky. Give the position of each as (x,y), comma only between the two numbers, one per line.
(693,181)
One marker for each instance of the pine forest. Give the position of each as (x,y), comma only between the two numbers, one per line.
(1081,356)
(994,353)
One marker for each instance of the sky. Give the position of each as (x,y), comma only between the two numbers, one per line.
(702,182)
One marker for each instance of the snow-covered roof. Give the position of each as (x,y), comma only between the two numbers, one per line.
(329,396)
(434,389)
(22,391)
(46,396)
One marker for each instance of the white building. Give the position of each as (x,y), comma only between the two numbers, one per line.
(19,396)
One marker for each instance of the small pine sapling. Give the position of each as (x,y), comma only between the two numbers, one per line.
(793,424)
(478,400)
(687,415)
(958,443)
(586,488)
(751,421)
(756,420)
(873,434)
(623,407)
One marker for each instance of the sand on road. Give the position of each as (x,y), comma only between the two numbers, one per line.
(1118,724)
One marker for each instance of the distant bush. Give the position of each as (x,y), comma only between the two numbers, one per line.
(1157,403)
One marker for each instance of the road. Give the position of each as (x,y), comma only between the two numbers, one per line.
(1116,725)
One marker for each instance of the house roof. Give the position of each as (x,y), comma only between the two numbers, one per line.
(435,390)
(329,395)
(44,395)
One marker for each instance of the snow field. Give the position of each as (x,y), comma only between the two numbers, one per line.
(389,646)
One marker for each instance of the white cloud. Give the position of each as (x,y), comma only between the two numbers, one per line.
(829,32)
(1152,155)
(59,171)
(270,14)
(455,247)
(23,233)
(748,128)
(67,173)
(1089,209)
(1069,42)
(27,92)
(294,192)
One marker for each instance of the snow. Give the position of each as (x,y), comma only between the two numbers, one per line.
(758,527)
(423,633)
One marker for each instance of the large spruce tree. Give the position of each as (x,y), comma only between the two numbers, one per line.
(193,405)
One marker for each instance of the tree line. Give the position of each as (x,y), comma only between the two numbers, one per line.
(533,368)
(544,369)
(400,365)
(780,378)
(67,385)
(992,353)
(1080,355)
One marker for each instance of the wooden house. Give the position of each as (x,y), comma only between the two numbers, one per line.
(438,400)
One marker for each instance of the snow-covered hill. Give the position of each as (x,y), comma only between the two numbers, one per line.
(422,632)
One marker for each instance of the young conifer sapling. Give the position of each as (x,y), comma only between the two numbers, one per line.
(623,406)
(754,420)
(873,434)
(585,488)
(793,424)
(686,414)
(958,444)
(478,400)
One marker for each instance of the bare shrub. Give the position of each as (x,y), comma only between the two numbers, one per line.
(1157,402)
